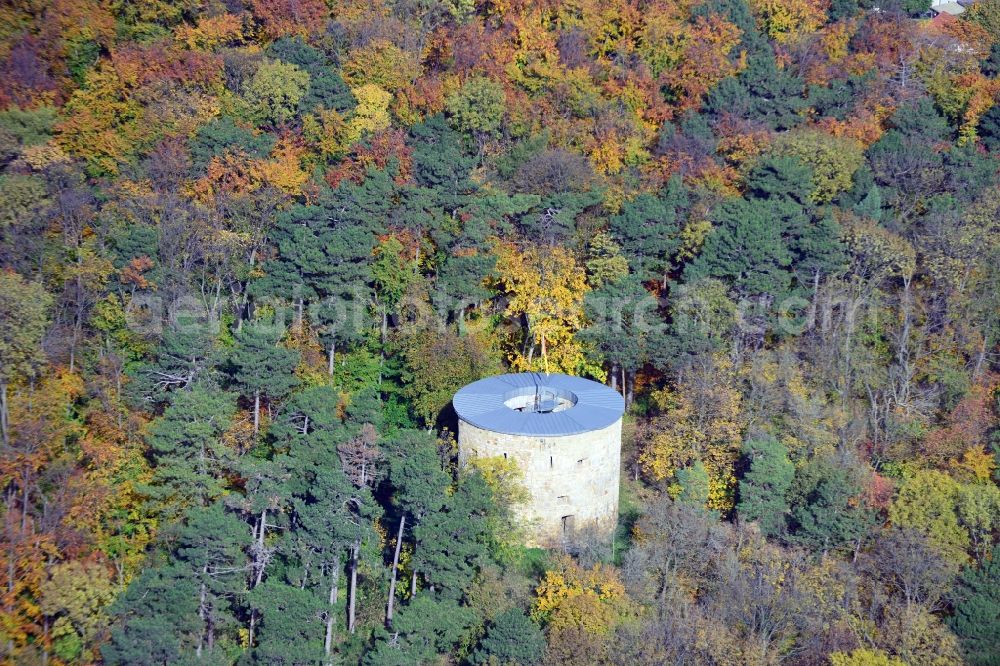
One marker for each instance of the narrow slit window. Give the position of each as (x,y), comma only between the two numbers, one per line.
(550,462)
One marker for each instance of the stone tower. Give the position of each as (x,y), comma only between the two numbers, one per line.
(565,435)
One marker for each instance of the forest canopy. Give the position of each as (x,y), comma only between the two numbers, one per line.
(249,249)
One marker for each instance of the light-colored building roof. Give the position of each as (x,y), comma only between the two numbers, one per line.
(952,8)
(557,405)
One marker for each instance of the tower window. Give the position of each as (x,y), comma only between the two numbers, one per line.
(550,462)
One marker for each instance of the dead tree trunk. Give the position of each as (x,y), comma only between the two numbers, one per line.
(256,411)
(331,617)
(353,593)
(395,566)
(4,427)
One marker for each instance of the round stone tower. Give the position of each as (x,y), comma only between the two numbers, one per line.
(565,435)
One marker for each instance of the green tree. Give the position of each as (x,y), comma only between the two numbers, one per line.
(989,129)
(702,315)
(261,367)
(976,621)
(76,594)
(832,160)
(648,229)
(332,519)
(478,106)
(440,161)
(30,127)
(763,488)
(185,356)
(916,7)
(747,249)
(392,274)
(979,513)
(762,92)
(864,657)
(192,461)
(426,628)
(782,177)
(906,162)
(292,627)
(327,89)
(325,253)
(512,638)
(625,327)
(186,611)
(419,484)
(20,196)
(692,483)
(274,92)
(825,512)
(437,364)
(158,620)
(452,544)
(211,546)
(812,237)
(605,262)
(223,135)
(24,308)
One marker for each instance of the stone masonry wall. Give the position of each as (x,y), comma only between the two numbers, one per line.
(572,479)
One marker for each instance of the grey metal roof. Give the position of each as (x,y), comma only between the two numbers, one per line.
(481,403)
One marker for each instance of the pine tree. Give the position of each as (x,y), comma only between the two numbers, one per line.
(512,638)
(424,629)
(625,327)
(261,367)
(326,89)
(331,520)
(160,623)
(211,547)
(693,484)
(763,488)
(451,544)
(648,229)
(292,629)
(977,613)
(825,514)
(746,248)
(762,92)
(418,480)
(186,610)
(192,461)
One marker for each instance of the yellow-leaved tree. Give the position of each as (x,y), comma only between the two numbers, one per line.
(545,287)
(580,609)
(700,421)
(371,113)
(592,599)
(785,20)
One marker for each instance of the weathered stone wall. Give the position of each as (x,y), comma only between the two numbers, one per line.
(571,475)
